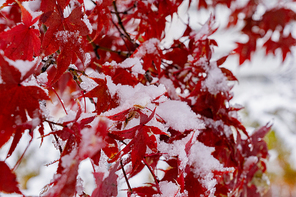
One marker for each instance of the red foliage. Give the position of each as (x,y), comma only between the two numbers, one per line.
(137,104)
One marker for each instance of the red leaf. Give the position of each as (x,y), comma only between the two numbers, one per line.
(276,17)
(108,186)
(101,92)
(121,116)
(8,182)
(16,100)
(64,185)
(244,50)
(103,16)
(228,74)
(222,60)
(284,44)
(22,41)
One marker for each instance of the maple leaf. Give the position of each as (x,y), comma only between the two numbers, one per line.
(108,186)
(65,34)
(8,182)
(22,41)
(16,100)
(284,44)
(103,16)
(276,17)
(245,50)
(101,92)
(64,184)
(145,137)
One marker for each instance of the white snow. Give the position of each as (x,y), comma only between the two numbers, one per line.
(87,59)
(204,164)
(87,83)
(86,21)
(67,160)
(134,63)
(42,78)
(23,66)
(216,82)
(167,189)
(170,87)
(148,47)
(67,36)
(179,116)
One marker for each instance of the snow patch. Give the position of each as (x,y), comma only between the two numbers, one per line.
(179,116)
(200,157)
(168,189)
(134,63)
(148,47)
(67,36)
(68,160)
(170,87)
(86,21)
(87,83)
(42,78)
(23,66)
(216,81)
(87,59)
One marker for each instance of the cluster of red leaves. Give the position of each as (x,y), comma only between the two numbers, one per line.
(119,41)
(274,21)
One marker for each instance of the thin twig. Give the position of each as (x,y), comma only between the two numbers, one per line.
(126,11)
(54,135)
(127,182)
(96,47)
(120,22)
(154,177)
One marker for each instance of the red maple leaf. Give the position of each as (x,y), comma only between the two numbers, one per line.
(103,16)
(101,92)
(17,101)
(284,44)
(142,136)
(64,34)
(245,50)
(22,41)
(108,186)
(8,182)
(276,17)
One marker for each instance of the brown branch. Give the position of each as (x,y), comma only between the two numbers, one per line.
(96,47)
(121,24)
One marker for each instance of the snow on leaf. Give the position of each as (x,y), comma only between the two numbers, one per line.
(108,186)
(101,92)
(216,81)
(22,41)
(179,116)
(206,30)
(16,100)
(64,184)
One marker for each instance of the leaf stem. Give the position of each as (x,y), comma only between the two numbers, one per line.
(59,99)
(154,177)
(121,24)
(125,177)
